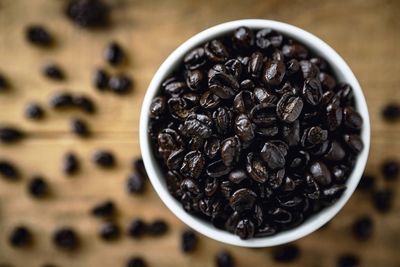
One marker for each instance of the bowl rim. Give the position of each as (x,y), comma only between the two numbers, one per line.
(339,67)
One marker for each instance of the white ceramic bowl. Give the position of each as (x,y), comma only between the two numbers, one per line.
(319,47)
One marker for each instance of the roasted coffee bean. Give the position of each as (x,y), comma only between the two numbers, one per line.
(224,259)
(37,187)
(391,112)
(20,237)
(348,260)
(38,35)
(88,13)
(135,184)
(286,253)
(80,127)
(189,241)
(136,228)
(138,167)
(136,262)
(383,200)
(250,119)
(101,79)
(367,183)
(120,84)
(390,169)
(8,170)
(109,231)
(4,85)
(70,164)
(363,228)
(114,54)
(84,103)
(65,238)
(157,227)
(34,111)
(104,209)
(53,71)
(61,100)
(10,134)
(104,158)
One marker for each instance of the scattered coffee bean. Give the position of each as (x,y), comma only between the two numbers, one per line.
(135,184)
(109,231)
(53,71)
(84,103)
(20,237)
(3,83)
(61,100)
(88,13)
(38,35)
(286,253)
(391,112)
(137,228)
(189,241)
(157,227)
(254,117)
(383,199)
(363,228)
(8,170)
(104,158)
(138,167)
(348,260)
(80,127)
(114,54)
(104,209)
(390,169)
(224,259)
(65,238)
(120,84)
(101,79)
(136,262)
(10,134)
(70,163)
(367,183)
(38,187)
(34,111)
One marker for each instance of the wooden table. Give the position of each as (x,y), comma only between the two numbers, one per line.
(365,33)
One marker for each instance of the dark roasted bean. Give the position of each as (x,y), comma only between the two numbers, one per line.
(61,100)
(390,169)
(287,253)
(352,118)
(135,184)
(348,260)
(243,37)
(70,164)
(104,209)
(84,103)
(297,51)
(367,183)
(312,91)
(20,237)
(289,108)
(136,262)
(224,259)
(136,228)
(189,241)
(37,187)
(3,83)
(80,127)
(34,111)
(114,54)
(88,13)
(8,170)
(274,72)
(391,112)
(109,231)
(101,79)
(157,227)
(104,158)
(38,35)
(120,84)
(216,51)
(10,134)
(320,173)
(53,71)
(363,228)
(383,200)
(230,150)
(354,142)
(65,238)
(195,59)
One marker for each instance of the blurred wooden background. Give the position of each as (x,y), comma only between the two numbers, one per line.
(366,33)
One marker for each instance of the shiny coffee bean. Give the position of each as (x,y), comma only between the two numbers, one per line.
(114,54)
(135,184)
(80,127)
(101,79)
(120,84)
(34,111)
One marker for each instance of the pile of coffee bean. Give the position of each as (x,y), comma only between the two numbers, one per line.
(255,133)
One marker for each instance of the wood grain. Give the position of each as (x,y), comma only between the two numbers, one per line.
(365,33)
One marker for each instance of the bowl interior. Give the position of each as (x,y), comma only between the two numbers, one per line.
(343,73)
